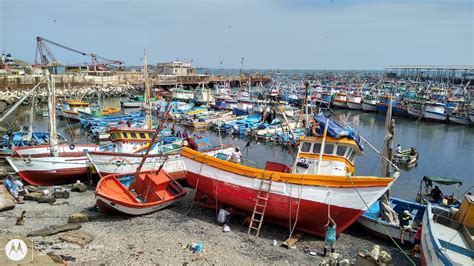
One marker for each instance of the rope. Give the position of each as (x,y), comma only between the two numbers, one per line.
(378,222)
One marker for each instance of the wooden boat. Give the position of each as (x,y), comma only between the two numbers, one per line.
(354,101)
(407,158)
(70,109)
(151,191)
(435,112)
(340,100)
(426,185)
(52,164)
(372,221)
(307,192)
(448,239)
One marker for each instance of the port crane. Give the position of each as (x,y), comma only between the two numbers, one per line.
(45,57)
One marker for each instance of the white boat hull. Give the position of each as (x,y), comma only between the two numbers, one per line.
(355,106)
(340,104)
(371,107)
(433,116)
(459,120)
(131,211)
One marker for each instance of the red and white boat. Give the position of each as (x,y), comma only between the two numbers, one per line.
(321,183)
(52,164)
(354,101)
(38,167)
(340,100)
(150,191)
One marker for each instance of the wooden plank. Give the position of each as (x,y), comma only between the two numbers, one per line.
(292,240)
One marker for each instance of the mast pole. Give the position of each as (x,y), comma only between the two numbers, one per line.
(323,144)
(32,117)
(53,142)
(388,139)
(148,120)
(153,140)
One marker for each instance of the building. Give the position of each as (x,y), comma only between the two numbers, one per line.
(176,68)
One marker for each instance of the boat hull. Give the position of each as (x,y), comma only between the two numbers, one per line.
(108,163)
(354,105)
(282,208)
(40,169)
(339,104)
(369,107)
(434,116)
(415,113)
(459,120)
(106,205)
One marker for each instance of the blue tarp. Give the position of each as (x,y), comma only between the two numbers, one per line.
(335,130)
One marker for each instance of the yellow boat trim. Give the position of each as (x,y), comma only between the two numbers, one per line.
(309,180)
(349,165)
(77,103)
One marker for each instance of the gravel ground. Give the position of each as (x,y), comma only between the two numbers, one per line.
(162,237)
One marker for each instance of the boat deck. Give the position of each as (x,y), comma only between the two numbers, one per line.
(451,241)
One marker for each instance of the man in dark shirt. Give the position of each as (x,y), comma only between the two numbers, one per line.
(437,194)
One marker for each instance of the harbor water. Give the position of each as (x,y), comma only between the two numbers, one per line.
(445,149)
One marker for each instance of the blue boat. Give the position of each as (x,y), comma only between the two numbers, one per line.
(372,221)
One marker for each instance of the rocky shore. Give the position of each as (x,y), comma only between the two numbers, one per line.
(164,237)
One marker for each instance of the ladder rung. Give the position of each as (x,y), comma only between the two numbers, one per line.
(259,221)
(254,228)
(258,197)
(260,213)
(260,205)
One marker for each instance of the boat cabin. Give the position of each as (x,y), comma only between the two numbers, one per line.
(338,156)
(130,140)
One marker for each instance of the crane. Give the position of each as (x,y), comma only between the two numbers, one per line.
(45,57)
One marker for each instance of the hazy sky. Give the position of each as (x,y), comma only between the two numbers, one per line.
(283,34)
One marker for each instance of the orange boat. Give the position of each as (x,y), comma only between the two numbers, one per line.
(151,191)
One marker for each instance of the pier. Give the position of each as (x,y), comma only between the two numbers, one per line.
(456,74)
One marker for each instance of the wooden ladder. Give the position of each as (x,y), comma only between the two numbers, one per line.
(260,206)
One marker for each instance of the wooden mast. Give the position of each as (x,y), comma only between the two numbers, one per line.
(388,139)
(153,140)
(148,119)
(53,142)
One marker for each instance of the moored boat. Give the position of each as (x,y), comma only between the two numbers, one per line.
(435,112)
(340,100)
(376,222)
(448,239)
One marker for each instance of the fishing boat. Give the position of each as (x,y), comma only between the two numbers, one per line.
(369,103)
(447,238)
(435,112)
(407,158)
(146,192)
(70,109)
(340,100)
(377,223)
(354,101)
(321,182)
(415,111)
(151,191)
(53,164)
(424,194)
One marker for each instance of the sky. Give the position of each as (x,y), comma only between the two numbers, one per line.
(278,34)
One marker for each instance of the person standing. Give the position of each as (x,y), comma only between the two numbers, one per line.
(330,239)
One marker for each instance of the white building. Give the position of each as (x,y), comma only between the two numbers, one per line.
(176,68)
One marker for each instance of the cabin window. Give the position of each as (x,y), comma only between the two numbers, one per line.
(348,153)
(316,147)
(341,150)
(305,147)
(352,156)
(124,135)
(142,135)
(329,149)
(133,135)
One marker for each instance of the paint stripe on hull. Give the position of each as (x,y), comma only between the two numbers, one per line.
(241,192)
